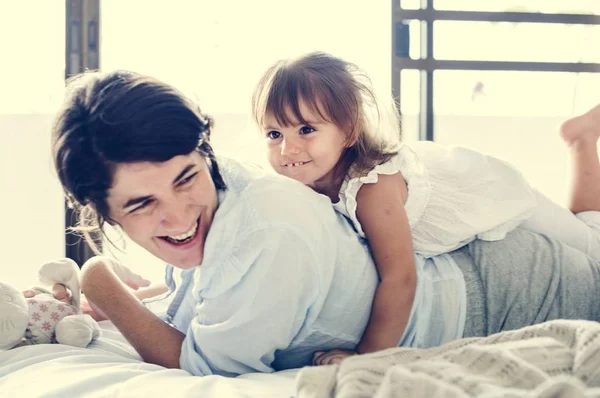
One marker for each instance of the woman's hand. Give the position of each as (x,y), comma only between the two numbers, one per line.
(331,357)
(59,291)
(131,279)
(123,273)
(87,307)
(63,294)
(102,281)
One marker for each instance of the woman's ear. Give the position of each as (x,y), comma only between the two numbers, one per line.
(205,135)
(108,219)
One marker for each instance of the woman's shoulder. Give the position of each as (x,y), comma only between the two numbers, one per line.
(265,197)
(239,174)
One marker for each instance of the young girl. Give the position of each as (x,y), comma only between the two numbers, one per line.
(325,128)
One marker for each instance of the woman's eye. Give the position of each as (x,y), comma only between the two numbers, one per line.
(273,135)
(140,209)
(306,130)
(187,179)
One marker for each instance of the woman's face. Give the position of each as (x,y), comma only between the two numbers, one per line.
(167,208)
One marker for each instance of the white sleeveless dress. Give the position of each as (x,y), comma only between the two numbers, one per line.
(455,195)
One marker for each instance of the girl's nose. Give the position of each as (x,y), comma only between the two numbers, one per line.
(289,147)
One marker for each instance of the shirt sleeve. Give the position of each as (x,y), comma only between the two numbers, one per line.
(255,304)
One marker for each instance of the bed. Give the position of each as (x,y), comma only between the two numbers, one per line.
(555,359)
(110,367)
(550,360)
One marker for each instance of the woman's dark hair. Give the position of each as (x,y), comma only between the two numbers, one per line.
(121,117)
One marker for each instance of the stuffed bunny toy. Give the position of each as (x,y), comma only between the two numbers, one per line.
(43,319)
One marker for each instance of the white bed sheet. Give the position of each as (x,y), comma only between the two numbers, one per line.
(110,367)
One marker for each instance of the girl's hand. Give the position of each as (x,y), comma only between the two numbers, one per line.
(331,357)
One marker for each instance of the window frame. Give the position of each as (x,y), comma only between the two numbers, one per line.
(427,15)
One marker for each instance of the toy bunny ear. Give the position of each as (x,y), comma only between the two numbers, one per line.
(64,271)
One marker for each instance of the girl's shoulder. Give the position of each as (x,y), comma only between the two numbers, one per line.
(406,162)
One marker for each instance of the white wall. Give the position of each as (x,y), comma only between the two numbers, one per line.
(31,201)
(215,51)
(31,80)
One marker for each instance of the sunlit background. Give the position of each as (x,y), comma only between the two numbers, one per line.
(216,50)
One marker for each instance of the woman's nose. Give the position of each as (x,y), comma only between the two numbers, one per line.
(174,218)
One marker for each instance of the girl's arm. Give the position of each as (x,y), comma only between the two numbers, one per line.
(383,218)
(153,339)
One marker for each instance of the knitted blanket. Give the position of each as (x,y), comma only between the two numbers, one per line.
(553,359)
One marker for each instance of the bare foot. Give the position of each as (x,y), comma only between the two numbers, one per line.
(585,127)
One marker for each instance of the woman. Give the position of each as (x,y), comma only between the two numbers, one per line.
(270,274)
(276,263)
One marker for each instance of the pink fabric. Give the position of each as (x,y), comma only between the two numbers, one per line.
(44,314)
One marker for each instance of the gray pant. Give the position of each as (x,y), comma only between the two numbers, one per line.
(526,279)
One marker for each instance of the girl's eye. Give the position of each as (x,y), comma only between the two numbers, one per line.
(273,135)
(187,179)
(306,130)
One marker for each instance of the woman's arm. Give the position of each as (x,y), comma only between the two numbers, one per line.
(153,339)
(151,291)
(383,218)
(87,307)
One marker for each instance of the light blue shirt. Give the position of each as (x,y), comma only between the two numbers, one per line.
(440,304)
(283,276)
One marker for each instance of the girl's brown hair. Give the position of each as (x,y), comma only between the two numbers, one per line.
(339,92)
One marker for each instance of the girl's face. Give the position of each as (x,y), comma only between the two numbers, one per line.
(305,152)
(167,208)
